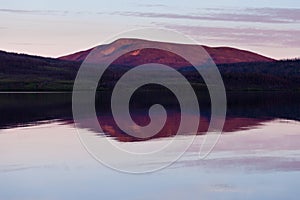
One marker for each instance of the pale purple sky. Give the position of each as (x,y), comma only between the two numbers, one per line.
(54,28)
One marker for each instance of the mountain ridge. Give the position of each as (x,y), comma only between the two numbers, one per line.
(220,55)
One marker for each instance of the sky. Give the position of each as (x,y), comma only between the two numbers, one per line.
(58,27)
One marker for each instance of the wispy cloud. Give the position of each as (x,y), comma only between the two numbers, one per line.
(38,12)
(31,44)
(152,5)
(261,15)
(247,36)
(285,14)
(48,12)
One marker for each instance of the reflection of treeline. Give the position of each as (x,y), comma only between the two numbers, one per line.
(20,72)
(244,109)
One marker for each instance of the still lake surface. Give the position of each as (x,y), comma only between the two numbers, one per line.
(256,157)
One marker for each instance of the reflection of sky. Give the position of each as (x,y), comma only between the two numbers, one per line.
(56,28)
(48,161)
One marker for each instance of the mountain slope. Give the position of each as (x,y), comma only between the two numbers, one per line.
(220,55)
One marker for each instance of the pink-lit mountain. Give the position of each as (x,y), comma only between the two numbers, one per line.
(220,55)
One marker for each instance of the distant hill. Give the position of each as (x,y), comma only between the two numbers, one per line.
(20,72)
(220,55)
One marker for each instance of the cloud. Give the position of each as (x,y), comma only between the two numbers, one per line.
(38,12)
(256,15)
(31,44)
(261,15)
(247,36)
(153,5)
(47,12)
(50,12)
(288,14)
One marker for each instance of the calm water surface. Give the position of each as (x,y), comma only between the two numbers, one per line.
(257,156)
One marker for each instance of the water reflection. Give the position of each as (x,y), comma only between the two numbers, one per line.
(48,161)
(246,110)
(261,159)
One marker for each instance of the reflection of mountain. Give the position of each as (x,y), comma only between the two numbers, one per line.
(245,111)
(171,127)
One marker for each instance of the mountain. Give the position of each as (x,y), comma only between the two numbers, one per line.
(250,71)
(220,55)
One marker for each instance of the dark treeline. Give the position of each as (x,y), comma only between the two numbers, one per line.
(19,72)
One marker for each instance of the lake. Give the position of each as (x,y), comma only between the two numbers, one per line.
(256,157)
